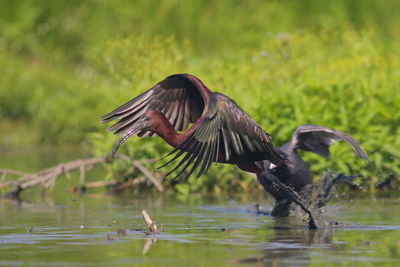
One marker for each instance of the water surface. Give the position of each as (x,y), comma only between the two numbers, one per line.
(82,231)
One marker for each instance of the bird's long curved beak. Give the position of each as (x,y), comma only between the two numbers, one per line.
(137,127)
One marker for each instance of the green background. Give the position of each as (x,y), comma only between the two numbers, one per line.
(286,63)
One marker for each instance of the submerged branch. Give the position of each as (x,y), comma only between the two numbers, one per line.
(150,223)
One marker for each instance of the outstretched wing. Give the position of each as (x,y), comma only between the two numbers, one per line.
(318,139)
(225,128)
(180,97)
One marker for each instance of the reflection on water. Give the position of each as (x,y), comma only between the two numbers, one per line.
(104,230)
(293,247)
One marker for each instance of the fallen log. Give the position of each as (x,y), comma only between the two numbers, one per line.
(47,177)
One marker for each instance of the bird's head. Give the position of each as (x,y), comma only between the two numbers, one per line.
(148,121)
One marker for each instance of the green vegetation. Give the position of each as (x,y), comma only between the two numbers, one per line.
(286,63)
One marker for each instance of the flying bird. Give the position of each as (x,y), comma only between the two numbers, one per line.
(313,138)
(220,130)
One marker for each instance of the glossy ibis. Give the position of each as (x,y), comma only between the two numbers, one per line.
(221,131)
(296,175)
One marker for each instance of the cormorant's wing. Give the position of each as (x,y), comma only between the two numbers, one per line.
(318,139)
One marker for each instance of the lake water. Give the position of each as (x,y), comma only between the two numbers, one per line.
(66,229)
(73,230)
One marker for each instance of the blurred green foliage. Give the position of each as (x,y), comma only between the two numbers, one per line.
(287,63)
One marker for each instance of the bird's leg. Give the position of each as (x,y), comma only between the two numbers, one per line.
(272,180)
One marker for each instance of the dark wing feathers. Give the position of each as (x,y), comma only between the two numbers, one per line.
(224,127)
(177,97)
(219,124)
(318,139)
